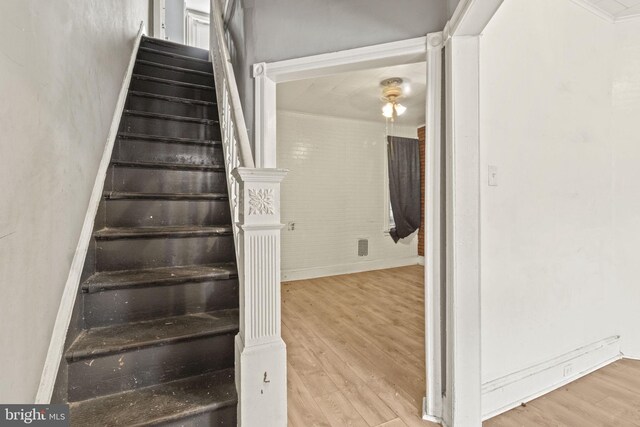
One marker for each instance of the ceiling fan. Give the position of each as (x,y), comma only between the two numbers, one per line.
(391,92)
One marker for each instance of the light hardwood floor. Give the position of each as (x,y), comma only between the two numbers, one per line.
(355,347)
(609,397)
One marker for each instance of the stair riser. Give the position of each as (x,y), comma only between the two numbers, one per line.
(155,105)
(135,304)
(172,90)
(177,62)
(180,50)
(222,417)
(152,213)
(170,74)
(147,180)
(171,128)
(155,151)
(149,366)
(129,254)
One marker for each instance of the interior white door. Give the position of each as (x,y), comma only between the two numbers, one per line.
(197,29)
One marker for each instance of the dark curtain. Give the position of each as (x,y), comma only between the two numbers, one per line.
(404,185)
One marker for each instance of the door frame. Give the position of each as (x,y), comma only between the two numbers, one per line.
(435,328)
(462,402)
(268,75)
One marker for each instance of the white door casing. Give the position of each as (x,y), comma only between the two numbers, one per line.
(462,403)
(434,329)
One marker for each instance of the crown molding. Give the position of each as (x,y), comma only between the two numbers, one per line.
(612,19)
(627,18)
(595,10)
(471,17)
(393,53)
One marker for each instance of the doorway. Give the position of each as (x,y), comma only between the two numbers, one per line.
(182,21)
(268,77)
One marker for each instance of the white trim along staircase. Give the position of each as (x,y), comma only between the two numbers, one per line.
(254,196)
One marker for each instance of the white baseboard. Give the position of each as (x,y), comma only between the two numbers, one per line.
(630,357)
(335,270)
(421,260)
(63,318)
(503,394)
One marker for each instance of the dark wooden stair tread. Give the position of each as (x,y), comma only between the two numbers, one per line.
(158,311)
(159,404)
(163,165)
(183,47)
(125,195)
(174,68)
(111,280)
(167,139)
(170,98)
(172,117)
(171,82)
(111,233)
(173,54)
(103,341)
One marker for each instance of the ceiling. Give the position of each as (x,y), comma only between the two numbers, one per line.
(614,9)
(356,94)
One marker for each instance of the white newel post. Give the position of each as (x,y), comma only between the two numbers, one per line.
(261,361)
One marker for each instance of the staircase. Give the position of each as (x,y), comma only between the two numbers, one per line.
(158,309)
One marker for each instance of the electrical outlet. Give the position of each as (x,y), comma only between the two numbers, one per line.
(567,370)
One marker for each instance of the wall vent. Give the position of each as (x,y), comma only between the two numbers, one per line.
(363,247)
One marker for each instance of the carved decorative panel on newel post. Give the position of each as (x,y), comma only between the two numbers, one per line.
(260,351)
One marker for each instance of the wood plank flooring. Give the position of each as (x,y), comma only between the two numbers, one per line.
(355,349)
(609,397)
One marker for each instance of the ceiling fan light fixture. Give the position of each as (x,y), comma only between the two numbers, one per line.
(387,110)
(392,91)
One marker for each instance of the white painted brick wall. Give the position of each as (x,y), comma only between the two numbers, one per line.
(335,194)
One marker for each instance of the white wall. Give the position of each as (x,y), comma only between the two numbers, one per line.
(626,179)
(548,278)
(335,193)
(61,68)
(273,30)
